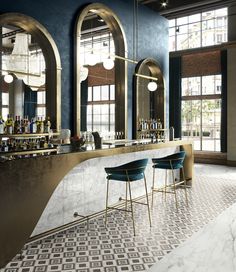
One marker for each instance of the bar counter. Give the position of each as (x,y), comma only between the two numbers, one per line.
(26,186)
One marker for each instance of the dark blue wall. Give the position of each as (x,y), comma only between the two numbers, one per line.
(59,16)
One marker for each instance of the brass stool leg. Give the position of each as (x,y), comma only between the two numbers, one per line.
(131,205)
(126,201)
(149,215)
(185,186)
(176,201)
(153,185)
(106,203)
(165,183)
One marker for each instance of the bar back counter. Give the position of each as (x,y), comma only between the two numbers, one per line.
(40,195)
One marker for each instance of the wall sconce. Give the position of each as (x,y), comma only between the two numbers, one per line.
(152,85)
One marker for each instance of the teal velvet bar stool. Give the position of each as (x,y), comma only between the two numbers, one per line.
(128,173)
(172,162)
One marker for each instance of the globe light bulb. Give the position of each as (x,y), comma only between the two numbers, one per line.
(152,86)
(91,59)
(83,73)
(108,63)
(8,78)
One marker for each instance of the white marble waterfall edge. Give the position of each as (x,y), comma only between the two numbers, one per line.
(83,189)
(212,249)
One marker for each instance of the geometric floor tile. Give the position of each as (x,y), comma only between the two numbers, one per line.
(96,249)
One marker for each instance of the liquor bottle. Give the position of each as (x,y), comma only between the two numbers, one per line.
(14,145)
(24,145)
(33,126)
(2,125)
(9,125)
(17,125)
(47,125)
(4,147)
(22,125)
(27,124)
(9,144)
(39,124)
(159,124)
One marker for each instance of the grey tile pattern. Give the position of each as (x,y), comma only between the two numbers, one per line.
(97,249)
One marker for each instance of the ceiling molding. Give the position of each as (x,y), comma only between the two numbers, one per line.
(182,7)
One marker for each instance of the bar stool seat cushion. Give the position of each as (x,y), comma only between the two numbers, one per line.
(168,165)
(125,178)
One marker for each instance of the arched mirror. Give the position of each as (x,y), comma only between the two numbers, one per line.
(30,70)
(149,94)
(101,73)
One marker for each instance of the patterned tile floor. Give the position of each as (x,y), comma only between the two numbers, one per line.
(116,249)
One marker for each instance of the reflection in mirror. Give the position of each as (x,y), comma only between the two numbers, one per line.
(150,100)
(22,81)
(97,77)
(101,73)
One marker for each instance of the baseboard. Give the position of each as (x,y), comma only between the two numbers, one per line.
(210,157)
(231,163)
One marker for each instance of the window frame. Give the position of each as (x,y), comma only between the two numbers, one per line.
(108,102)
(175,28)
(201,98)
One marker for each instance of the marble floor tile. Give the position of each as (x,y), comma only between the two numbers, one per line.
(94,248)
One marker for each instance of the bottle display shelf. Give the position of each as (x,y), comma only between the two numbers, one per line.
(152,129)
(28,152)
(22,145)
(28,135)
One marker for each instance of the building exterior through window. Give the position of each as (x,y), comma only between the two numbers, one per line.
(198,30)
(201,111)
(201,89)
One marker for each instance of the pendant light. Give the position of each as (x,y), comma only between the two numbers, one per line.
(83,70)
(152,86)
(108,63)
(8,78)
(91,58)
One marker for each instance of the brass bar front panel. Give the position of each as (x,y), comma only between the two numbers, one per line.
(26,186)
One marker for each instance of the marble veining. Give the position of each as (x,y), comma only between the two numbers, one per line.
(83,189)
(212,249)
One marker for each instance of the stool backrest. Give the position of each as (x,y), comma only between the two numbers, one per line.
(174,159)
(131,168)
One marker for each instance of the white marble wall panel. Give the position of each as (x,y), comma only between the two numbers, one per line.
(83,189)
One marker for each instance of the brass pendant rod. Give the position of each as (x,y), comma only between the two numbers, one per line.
(19,72)
(147,77)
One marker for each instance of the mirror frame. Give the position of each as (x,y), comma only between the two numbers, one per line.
(155,70)
(52,60)
(118,34)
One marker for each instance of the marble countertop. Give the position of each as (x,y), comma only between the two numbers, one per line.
(212,249)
